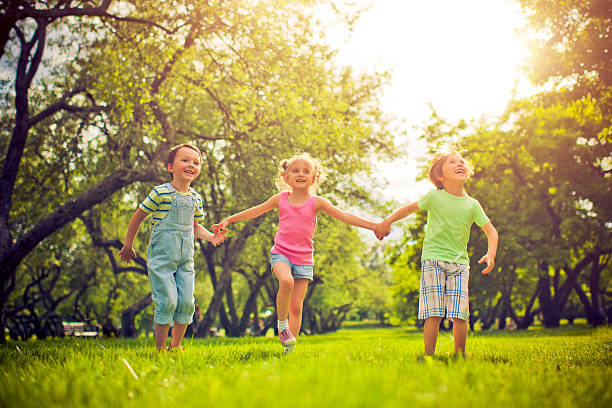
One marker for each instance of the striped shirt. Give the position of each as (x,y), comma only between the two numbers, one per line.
(159,200)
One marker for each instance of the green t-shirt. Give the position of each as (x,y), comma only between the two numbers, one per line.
(449,219)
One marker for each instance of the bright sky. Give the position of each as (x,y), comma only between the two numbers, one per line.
(462,57)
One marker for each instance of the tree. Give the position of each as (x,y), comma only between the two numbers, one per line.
(341,278)
(571,46)
(557,167)
(234,79)
(31,23)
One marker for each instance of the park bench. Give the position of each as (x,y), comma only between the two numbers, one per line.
(80,329)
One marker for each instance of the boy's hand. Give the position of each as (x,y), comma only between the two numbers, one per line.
(127,253)
(217,239)
(382,229)
(490,263)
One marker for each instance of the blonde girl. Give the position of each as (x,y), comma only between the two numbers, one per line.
(291,257)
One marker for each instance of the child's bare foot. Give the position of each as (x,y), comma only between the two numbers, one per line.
(174,349)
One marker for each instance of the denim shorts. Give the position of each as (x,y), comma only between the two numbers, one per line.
(297,271)
(444,290)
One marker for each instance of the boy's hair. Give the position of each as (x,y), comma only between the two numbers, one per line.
(439,158)
(285,165)
(172,153)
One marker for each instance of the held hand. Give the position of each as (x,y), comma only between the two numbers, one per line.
(381,230)
(219,229)
(127,253)
(490,263)
(217,239)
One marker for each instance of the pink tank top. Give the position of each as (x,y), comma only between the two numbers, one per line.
(296,226)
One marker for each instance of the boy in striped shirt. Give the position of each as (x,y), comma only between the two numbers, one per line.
(176,210)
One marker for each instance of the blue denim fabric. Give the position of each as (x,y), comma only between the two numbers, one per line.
(170,262)
(297,271)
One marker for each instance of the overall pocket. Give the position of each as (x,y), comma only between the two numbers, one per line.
(185,211)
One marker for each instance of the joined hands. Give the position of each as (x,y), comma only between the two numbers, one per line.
(381,230)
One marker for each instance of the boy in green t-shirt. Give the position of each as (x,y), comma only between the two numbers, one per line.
(445,266)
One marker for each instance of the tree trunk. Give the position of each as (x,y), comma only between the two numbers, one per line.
(128,326)
(551,314)
(523,322)
(599,316)
(233,250)
(250,306)
(56,220)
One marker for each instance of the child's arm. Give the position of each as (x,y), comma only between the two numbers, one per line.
(203,233)
(384,228)
(489,257)
(322,204)
(127,252)
(252,212)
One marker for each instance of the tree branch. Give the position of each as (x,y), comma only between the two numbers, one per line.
(68,212)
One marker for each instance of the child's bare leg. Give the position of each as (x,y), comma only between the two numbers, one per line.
(300,287)
(161,335)
(282,271)
(460,329)
(178,332)
(430,334)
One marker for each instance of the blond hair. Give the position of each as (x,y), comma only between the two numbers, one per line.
(285,166)
(439,158)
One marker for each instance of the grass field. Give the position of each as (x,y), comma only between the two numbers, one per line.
(567,367)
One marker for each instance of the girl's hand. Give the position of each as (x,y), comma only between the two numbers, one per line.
(490,263)
(220,227)
(218,230)
(127,253)
(382,229)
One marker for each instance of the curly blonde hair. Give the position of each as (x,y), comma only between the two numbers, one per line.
(285,166)
(439,158)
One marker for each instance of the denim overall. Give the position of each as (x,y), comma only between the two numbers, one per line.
(170,262)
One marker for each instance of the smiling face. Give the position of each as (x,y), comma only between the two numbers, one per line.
(299,175)
(454,170)
(186,165)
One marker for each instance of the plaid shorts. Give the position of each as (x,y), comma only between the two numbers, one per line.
(444,288)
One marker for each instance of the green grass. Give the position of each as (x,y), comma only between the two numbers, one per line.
(568,367)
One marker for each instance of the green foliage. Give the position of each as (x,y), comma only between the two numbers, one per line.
(404,257)
(570,44)
(542,174)
(348,277)
(351,368)
(249,84)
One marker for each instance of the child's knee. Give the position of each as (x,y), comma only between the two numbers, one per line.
(434,319)
(285,282)
(166,302)
(185,306)
(295,308)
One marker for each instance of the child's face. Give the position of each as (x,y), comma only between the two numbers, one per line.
(300,175)
(186,165)
(454,170)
